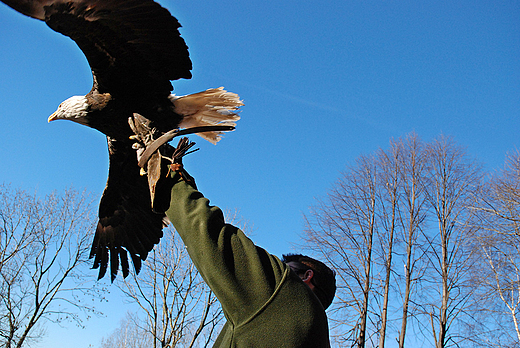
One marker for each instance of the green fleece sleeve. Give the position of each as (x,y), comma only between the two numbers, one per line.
(242,275)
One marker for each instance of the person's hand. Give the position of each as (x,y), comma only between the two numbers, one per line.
(182,149)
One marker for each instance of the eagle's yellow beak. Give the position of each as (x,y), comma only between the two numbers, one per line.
(53,117)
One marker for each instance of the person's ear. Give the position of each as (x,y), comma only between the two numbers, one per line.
(307,277)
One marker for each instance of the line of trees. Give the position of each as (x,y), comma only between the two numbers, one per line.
(425,243)
(45,278)
(425,246)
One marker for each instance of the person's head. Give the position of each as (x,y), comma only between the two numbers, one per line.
(320,278)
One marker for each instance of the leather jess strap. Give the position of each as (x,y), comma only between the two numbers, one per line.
(168,136)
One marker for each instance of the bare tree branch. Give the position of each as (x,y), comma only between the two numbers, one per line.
(43,253)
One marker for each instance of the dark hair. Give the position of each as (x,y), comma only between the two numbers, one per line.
(324,278)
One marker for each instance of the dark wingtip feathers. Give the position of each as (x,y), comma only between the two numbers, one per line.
(104,253)
(116,256)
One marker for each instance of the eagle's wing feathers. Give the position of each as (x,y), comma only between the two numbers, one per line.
(133,45)
(126,220)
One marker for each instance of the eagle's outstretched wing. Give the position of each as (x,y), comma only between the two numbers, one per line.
(132,46)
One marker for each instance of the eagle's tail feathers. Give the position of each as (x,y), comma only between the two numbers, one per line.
(212,107)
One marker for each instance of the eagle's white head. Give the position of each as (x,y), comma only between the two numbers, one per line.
(73,109)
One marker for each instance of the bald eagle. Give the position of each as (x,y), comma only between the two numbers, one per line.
(134,50)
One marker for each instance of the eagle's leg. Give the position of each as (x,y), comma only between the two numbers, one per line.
(155,156)
(151,139)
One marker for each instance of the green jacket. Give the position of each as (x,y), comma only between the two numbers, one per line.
(264,302)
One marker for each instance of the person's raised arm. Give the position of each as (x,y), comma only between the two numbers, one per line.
(242,275)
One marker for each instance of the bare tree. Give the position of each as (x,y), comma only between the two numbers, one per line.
(128,335)
(414,202)
(176,306)
(401,214)
(503,281)
(452,181)
(342,229)
(391,177)
(413,212)
(43,254)
(498,207)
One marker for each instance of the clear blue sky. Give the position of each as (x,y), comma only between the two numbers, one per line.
(323,82)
